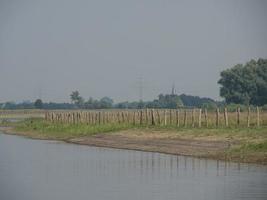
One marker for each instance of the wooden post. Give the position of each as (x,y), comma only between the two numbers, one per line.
(152,117)
(146,116)
(217,116)
(199,118)
(159,121)
(177,118)
(128,117)
(73,118)
(165,118)
(141,117)
(248,118)
(123,117)
(193,117)
(258,117)
(226,117)
(99,118)
(119,117)
(238,116)
(170,116)
(134,118)
(185,118)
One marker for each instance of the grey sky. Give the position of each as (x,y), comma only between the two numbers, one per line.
(101,48)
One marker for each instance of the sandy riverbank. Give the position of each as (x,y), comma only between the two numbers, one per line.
(157,141)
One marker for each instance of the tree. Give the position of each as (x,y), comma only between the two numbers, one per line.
(168,101)
(196,101)
(106,102)
(245,84)
(38,104)
(77,99)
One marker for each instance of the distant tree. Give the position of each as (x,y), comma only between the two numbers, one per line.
(52,105)
(171,101)
(245,84)
(106,102)
(89,104)
(10,105)
(38,104)
(122,105)
(196,101)
(77,99)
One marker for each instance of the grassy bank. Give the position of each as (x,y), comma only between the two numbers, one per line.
(40,128)
(245,144)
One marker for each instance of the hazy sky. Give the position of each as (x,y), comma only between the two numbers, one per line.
(49,48)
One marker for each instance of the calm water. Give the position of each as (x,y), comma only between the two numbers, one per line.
(47,170)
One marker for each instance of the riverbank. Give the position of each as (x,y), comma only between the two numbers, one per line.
(233,144)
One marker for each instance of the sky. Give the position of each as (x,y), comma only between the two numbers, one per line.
(49,48)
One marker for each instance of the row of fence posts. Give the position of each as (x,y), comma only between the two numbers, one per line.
(177,117)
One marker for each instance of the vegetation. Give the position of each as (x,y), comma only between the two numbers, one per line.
(30,105)
(50,130)
(196,101)
(245,84)
(76,98)
(245,144)
(38,104)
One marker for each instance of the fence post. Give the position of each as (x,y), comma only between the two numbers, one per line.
(152,117)
(134,118)
(258,117)
(199,118)
(193,117)
(226,117)
(248,118)
(99,117)
(141,117)
(146,116)
(185,118)
(159,121)
(217,116)
(206,117)
(177,118)
(170,116)
(238,116)
(165,118)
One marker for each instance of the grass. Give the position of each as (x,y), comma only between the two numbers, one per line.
(49,130)
(60,130)
(248,144)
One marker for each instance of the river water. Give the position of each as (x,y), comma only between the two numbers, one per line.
(49,170)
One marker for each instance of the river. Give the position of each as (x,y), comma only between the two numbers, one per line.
(50,170)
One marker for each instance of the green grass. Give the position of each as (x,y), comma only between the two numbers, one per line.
(252,147)
(60,130)
(241,133)
(65,131)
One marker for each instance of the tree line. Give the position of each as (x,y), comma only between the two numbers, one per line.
(168,101)
(240,85)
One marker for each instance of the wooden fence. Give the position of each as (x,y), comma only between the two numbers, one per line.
(164,117)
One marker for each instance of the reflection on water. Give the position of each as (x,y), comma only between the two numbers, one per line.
(42,170)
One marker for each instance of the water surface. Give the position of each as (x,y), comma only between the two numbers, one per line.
(49,170)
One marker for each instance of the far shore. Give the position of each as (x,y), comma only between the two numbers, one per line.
(218,147)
